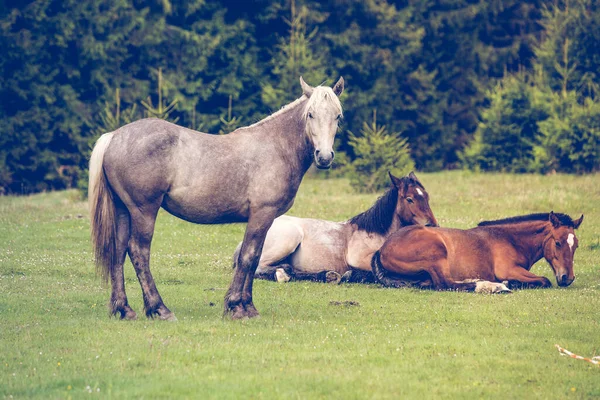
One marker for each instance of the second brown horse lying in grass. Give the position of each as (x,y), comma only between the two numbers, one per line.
(496,251)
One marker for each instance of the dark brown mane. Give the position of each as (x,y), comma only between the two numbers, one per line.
(563,218)
(378,218)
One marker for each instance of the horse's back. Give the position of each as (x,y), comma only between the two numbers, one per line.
(196,176)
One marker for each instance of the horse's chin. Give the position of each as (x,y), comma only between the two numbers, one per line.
(319,166)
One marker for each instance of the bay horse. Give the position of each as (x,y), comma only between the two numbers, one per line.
(495,251)
(251,174)
(306,248)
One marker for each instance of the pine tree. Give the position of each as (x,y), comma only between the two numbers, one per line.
(508,137)
(294,58)
(377,153)
(112,120)
(163,109)
(229,123)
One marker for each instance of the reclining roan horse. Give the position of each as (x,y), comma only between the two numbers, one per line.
(305,248)
(250,175)
(495,251)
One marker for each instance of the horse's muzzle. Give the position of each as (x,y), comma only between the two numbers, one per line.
(564,280)
(323,160)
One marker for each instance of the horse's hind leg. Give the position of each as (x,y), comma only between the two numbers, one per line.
(118,299)
(277,273)
(142,230)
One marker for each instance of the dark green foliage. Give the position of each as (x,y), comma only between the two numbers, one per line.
(377,153)
(571,136)
(508,134)
(549,121)
(163,108)
(229,123)
(426,65)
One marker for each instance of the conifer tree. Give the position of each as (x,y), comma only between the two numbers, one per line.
(229,123)
(163,109)
(377,153)
(508,135)
(294,57)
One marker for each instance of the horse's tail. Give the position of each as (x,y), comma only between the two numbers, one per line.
(383,276)
(102,210)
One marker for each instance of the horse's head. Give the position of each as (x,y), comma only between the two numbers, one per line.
(413,201)
(560,246)
(322,113)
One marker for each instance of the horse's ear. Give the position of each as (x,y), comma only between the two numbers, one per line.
(306,88)
(554,219)
(397,182)
(414,178)
(578,222)
(338,88)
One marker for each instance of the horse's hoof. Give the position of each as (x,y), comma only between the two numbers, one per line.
(238,312)
(332,277)
(281,276)
(129,315)
(168,317)
(347,277)
(502,288)
(251,311)
(491,287)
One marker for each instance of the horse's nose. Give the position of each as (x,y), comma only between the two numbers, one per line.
(432,222)
(324,158)
(564,280)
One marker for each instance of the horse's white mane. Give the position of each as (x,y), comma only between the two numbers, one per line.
(319,95)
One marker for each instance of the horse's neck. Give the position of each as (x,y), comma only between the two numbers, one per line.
(287,127)
(396,225)
(528,239)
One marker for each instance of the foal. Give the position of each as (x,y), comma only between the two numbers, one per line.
(306,248)
(503,250)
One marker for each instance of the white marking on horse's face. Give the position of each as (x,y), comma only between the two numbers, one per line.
(571,240)
(419,192)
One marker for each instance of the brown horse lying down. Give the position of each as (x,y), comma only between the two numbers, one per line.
(496,251)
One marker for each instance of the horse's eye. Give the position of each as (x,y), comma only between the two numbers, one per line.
(410,200)
(558,244)
(338,117)
(310,115)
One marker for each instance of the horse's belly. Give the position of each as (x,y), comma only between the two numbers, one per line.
(315,258)
(205,209)
(323,247)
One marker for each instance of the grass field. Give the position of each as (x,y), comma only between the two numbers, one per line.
(57,341)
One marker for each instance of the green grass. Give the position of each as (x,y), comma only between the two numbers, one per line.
(57,341)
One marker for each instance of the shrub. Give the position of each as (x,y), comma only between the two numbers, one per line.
(571,136)
(377,152)
(508,135)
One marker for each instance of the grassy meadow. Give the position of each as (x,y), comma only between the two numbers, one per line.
(57,341)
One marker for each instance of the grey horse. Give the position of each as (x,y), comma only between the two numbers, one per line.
(251,174)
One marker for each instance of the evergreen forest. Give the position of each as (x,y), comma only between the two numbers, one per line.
(498,85)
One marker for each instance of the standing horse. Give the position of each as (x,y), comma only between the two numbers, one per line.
(315,249)
(250,175)
(503,250)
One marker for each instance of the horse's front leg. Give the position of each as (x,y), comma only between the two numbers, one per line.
(518,275)
(238,300)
